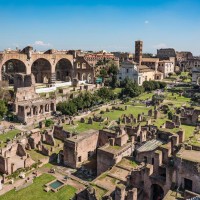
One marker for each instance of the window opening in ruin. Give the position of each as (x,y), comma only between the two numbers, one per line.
(145,159)
(79,159)
(157,192)
(89,154)
(188,184)
(152,161)
(162,171)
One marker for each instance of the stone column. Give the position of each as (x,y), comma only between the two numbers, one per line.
(12,167)
(120,192)
(43,110)
(31,111)
(157,160)
(54,106)
(53,73)
(1,71)
(132,194)
(25,114)
(28,68)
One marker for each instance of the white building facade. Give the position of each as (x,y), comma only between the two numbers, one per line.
(166,67)
(129,70)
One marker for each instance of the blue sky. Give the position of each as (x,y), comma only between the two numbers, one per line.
(95,25)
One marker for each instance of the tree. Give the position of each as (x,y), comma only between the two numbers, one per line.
(4,92)
(48,122)
(170,115)
(3,108)
(131,89)
(157,99)
(67,108)
(148,86)
(153,85)
(114,82)
(162,85)
(170,74)
(113,69)
(106,94)
(103,73)
(99,63)
(125,82)
(86,100)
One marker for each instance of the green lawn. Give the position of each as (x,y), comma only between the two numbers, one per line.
(145,96)
(188,130)
(135,110)
(99,192)
(176,100)
(112,115)
(128,162)
(160,121)
(117,90)
(81,127)
(36,192)
(10,134)
(175,97)
(36,155)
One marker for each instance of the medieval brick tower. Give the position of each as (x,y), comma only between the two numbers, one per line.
(138,51)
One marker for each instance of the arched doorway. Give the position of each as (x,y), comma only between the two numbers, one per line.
(198,81)
(10,68)
(84,77)
(64,70)
(79,76)
(41,69)
(89,78)
(157,192)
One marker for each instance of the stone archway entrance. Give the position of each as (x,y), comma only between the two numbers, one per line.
(198,81)
(157,193)
(41,69)
(84,77)
(79,76)
(10,68)
(64,70)
(89,78)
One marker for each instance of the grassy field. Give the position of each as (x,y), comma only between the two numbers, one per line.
(128,162)
(117,90)
(135,110)
(145,96)
(174,99)
(112,115)
(10,134)
(36,155)
(81,127)
(99,192)
(35,191)
(188,130)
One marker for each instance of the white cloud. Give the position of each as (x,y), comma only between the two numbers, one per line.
(146,22)
(160,46)
(15,45)
(40,43)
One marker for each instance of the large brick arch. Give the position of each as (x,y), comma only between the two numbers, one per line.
(10,66)
(64,68)
(53,57)
(41,68)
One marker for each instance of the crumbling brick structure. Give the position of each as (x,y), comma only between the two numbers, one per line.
(30,107)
